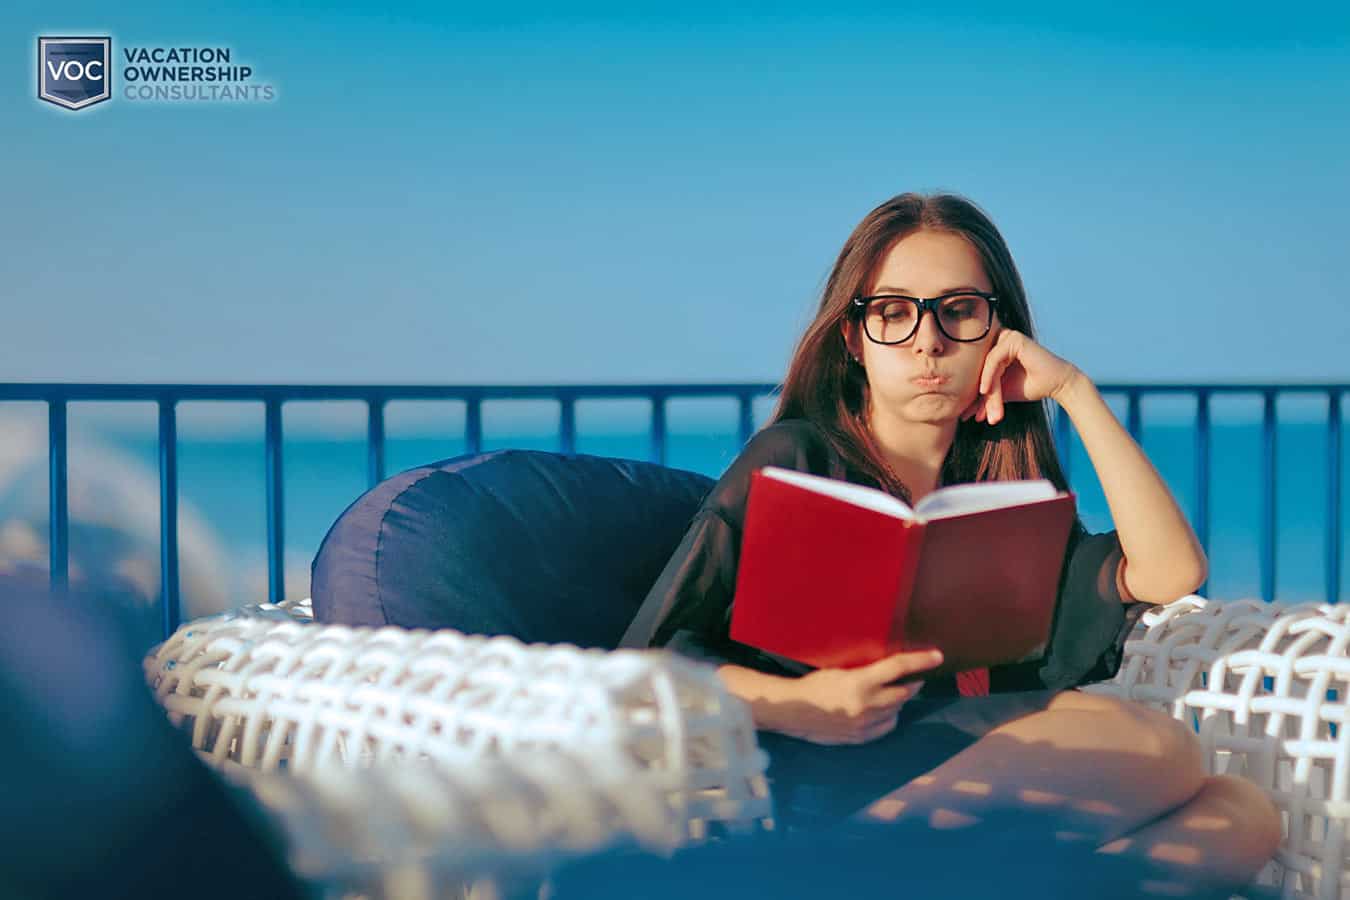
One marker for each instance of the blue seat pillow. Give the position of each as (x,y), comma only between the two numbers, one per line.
(544,546)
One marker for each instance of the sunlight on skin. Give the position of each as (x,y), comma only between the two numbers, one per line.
(1168,852)
(1177,853)
(950,818)
(1208,823)
(1101,807)
(890,808)
(1184,854)
(887,809)
(1210,857)
(1120,845)
(1040,798)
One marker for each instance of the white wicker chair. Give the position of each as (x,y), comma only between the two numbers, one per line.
(1264,686)
(622,746)
(422,829)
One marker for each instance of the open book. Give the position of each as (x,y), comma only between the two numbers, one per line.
(836,574)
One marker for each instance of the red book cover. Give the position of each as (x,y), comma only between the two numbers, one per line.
(835,574)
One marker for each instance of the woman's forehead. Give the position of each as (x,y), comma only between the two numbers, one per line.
(929,263)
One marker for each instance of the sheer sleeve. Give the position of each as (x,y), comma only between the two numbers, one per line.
(1091,622)
(688,609)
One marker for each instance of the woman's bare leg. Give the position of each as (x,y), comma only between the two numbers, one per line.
(1089,768)
(1222,836)
(1115,775)
(1094,771)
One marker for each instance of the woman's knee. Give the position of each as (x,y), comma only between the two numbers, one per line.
(1244,812)
(1163,748)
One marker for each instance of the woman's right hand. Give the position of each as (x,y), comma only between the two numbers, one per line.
(854,706)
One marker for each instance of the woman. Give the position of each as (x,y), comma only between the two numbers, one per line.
(921,369)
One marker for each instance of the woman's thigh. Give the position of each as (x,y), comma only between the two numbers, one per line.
(818,784)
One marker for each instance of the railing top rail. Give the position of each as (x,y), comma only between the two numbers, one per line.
(93,391)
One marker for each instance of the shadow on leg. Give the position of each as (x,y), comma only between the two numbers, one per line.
(1223,836)
(1086,769)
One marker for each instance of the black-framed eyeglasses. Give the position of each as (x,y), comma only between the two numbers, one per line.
(894,318)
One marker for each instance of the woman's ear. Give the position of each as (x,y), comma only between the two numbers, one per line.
(851,344)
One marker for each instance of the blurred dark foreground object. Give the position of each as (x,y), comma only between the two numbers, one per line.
(102,797)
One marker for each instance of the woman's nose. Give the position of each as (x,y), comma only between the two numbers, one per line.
(929,337)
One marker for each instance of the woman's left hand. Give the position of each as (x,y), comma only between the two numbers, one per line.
(1015,369)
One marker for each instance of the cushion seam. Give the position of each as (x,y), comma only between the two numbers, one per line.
(379,542)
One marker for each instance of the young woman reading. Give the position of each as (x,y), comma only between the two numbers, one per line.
(919,370)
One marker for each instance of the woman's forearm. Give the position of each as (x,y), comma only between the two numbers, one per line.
(1164,559)
(768,695)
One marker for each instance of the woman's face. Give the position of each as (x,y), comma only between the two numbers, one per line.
(925,264)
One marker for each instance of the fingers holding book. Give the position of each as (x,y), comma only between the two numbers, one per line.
(899,665)
(854,706)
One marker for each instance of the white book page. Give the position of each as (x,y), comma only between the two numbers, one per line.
(960,499)
(857,494)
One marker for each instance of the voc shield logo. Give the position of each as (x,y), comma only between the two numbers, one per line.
(74,72)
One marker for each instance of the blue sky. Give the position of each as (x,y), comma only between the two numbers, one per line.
(667,190)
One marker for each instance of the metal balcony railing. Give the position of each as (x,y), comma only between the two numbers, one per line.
(376,397)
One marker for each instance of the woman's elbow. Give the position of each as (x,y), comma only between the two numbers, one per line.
(1178,580)
(1197,573)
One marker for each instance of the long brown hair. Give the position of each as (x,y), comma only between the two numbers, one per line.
(825,387)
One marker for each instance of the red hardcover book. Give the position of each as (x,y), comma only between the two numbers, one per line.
(836,574)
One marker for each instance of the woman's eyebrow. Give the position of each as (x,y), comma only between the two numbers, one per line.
(951,290)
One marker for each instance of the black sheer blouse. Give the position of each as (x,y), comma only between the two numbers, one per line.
(688,609)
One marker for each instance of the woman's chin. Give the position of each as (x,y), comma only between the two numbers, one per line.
(933,409)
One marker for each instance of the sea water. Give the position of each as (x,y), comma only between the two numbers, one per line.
(224,479)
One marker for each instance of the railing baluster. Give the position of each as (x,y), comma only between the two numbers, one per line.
(1268,510)
(473,424)
(659,426)
(276,560)
(1062,438)
(1202,468)
(1134,421)
(374,441)
(1333,548)
(58,540)
(567,423)
(747,417)
(171,608)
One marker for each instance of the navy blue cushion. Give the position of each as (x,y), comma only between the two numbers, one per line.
(543,546)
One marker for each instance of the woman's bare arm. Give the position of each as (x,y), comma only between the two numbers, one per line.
(1163,559)
(766,694)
